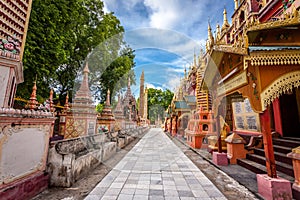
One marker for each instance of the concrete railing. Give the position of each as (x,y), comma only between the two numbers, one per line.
(70,159)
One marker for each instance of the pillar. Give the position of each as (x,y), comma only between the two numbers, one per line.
(277,116)
(219,158)
(269,185)
(268,144)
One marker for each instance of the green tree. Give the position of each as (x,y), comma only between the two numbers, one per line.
(61,34)
(158,102)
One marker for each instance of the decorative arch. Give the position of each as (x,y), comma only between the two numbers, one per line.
(278,87)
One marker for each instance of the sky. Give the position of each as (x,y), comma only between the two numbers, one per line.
(165,34)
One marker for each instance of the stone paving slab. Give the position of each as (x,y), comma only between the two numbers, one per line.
(155,168)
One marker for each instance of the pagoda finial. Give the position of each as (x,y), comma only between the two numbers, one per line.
(128,82)
(32,100)
(66,106)
(218,36)
(236,4)
(142,75)
(185,72)
(86,68)
(51,101)
(108,98)
(225,21)
(209,31)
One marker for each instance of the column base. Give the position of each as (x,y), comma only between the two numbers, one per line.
(296,191)
(220,158)
(273,188)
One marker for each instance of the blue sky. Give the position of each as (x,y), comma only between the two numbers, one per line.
(165,34)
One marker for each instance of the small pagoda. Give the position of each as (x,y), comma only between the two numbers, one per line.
(201,125)
(81,118)
(106,118)
(119,115)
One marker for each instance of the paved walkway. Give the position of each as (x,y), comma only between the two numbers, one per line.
(155,169)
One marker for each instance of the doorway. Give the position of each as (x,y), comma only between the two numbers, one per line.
(290,113)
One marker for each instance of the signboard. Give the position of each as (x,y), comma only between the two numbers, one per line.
(244,117)
(235,82)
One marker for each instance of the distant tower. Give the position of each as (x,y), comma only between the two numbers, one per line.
(142,98)
(145,104)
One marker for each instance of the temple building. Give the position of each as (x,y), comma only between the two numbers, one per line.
(14,19)
(183,104)
(24,133)
(125,112)
(252,73)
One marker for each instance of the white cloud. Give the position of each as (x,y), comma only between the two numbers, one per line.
(164,39)
(150,85)
(165,13)
(173,82)
(174,26)
(105,8)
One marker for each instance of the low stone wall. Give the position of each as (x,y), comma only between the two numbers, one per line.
(69,160)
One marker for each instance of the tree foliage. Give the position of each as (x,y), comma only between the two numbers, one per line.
(61,34)
(158,102)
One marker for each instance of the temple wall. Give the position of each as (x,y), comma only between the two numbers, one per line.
(24,139)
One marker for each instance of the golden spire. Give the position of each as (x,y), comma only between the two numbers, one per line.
(210,41)
(225,21)
(218,37)
(236,4)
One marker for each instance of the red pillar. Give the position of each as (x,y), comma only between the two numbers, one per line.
(277,116)
(268,144)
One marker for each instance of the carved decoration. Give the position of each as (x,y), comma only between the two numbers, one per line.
(289,19)
(280,86)
(74,127)
(231,49)
(10,45)
(278,58)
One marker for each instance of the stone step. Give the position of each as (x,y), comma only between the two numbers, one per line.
(281,157)
(282,149)
(280,166)
(261,169)
(286,142)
